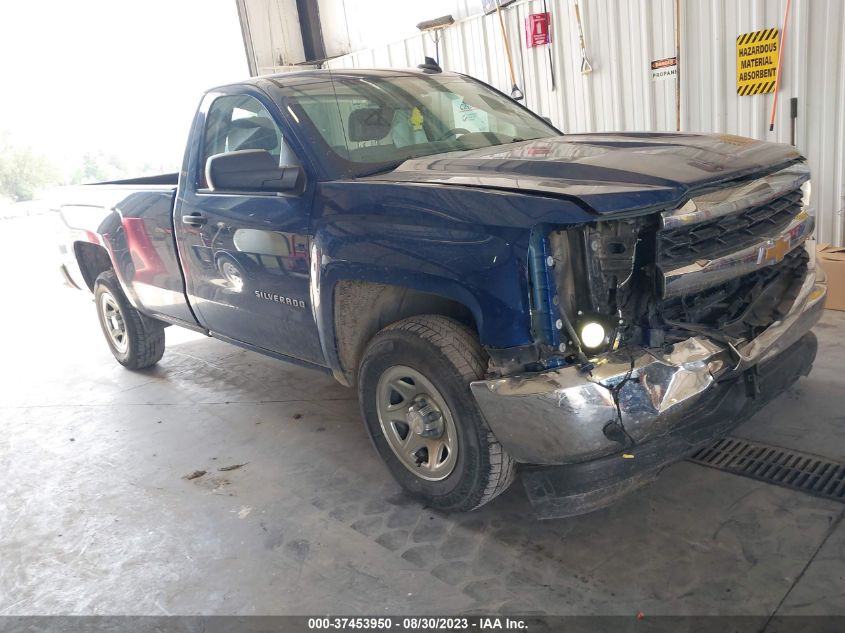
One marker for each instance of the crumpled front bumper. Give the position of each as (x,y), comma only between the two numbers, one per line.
(560,416)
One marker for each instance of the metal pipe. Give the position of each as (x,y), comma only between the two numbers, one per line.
(678,65)
(780,60)
(793,115)
(549,46)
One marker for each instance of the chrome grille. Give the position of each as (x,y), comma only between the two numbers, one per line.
(730,256)
(712,238)
(725,307)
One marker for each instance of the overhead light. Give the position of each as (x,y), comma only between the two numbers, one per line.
(592,335)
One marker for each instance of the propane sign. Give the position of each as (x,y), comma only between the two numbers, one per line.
(664,69)
(756,62)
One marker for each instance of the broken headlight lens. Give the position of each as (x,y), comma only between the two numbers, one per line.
(806,194)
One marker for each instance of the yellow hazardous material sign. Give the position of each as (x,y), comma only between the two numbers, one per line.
(756,62)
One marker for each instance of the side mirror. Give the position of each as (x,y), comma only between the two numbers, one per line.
(251,170)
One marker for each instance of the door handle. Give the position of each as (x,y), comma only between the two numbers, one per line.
(194,219)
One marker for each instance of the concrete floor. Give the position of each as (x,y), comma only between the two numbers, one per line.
(97,517)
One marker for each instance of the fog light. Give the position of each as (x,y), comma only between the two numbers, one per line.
(592,335)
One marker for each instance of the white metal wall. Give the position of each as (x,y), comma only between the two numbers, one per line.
(351,25)
(271,34)
(622,39)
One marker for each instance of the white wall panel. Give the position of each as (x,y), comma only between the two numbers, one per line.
(351,25)
(624,36)
(273,29)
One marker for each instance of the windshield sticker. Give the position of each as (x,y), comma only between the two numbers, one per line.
(469,117)
(417,119)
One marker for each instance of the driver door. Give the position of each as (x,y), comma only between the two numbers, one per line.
(246,255)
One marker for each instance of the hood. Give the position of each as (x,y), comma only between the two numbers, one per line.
(612,173)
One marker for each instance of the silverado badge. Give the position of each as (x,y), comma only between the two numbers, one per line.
(269,296)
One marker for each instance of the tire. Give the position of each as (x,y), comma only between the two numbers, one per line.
(447,356)
(141,344)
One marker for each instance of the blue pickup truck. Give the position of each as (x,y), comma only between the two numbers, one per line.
(583,309)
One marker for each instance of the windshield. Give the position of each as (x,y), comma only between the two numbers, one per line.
(373,123)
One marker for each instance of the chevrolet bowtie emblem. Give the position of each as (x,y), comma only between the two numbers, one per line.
(773,251)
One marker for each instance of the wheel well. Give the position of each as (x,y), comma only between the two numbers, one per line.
(93,260)
(363,308)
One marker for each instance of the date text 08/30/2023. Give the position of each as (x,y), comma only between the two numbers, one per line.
(416,623)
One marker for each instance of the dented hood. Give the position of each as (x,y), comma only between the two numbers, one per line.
(612,173)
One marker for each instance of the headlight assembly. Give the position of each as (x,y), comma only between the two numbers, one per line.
(806,191)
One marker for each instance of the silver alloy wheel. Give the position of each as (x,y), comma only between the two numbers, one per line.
(417,423)
(232,275)
(114,323)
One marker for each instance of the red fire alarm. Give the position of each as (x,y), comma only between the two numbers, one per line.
(537,29)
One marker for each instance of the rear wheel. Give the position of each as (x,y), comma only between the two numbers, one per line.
(415,399)
(136,341)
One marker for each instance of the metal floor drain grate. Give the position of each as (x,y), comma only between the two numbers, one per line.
(775,465)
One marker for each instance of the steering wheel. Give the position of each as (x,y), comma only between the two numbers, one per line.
(454,132)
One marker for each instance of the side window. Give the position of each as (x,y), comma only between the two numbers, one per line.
(240,122)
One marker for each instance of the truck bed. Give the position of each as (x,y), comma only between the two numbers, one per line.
(131,223)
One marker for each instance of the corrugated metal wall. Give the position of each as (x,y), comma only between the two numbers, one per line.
(624,36)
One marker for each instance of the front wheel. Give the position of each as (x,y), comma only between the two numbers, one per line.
(413,388)
(135,341)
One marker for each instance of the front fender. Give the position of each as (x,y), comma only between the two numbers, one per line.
(483,270)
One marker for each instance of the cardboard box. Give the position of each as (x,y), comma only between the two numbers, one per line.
(831,259)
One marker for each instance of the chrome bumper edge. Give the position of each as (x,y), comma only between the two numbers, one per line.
(559,416)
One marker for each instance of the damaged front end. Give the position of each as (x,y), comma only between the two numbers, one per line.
(657,333)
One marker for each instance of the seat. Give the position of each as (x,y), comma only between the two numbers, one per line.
(256,132)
